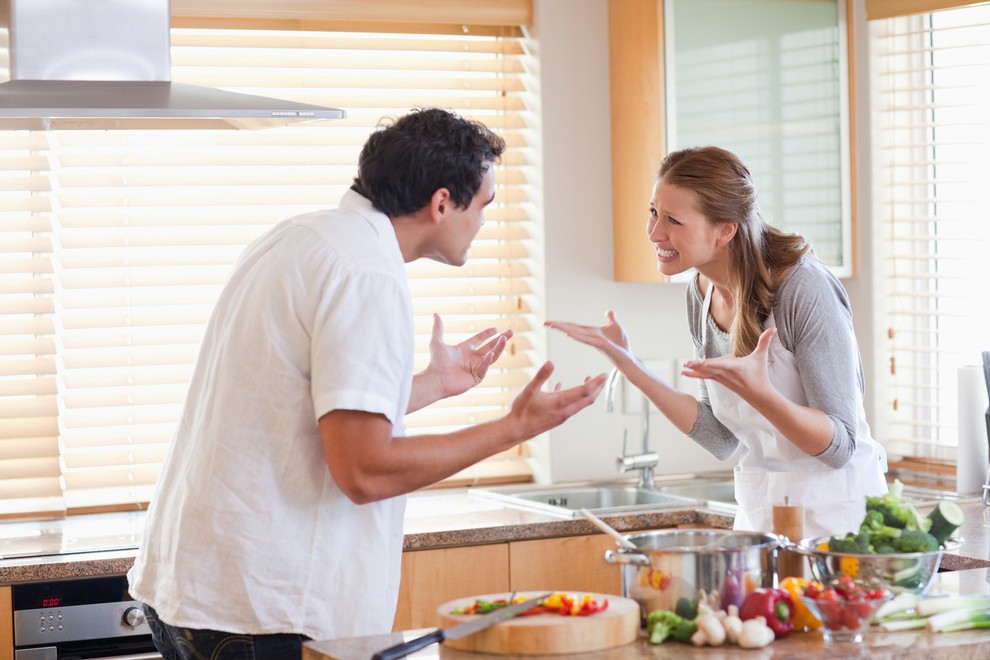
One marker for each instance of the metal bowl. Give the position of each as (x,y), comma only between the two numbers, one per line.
(901,572)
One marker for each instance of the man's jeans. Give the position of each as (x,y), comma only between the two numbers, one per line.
(187,644)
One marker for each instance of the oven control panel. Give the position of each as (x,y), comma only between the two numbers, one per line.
(52,625)
(56,612)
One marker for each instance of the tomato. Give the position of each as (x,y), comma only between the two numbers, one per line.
(850,618)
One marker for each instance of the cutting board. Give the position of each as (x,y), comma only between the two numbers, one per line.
(547,634)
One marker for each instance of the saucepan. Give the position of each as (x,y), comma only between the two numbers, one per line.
(676,569)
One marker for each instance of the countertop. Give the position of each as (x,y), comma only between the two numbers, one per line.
(962,645)
(434,519)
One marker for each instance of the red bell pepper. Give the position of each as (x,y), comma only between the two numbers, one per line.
(775,605)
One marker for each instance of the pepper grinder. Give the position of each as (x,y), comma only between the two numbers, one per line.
(788,520)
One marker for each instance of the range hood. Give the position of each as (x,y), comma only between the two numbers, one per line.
(106,64)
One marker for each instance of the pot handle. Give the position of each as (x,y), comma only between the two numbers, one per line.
(625,556)
(785,543)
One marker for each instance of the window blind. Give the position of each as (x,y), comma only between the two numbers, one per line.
(931,75)
(115,246)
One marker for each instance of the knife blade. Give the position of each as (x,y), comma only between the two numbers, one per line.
(460,630)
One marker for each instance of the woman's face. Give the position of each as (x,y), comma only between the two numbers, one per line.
(682,237)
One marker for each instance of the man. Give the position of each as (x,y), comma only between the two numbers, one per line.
(279,510)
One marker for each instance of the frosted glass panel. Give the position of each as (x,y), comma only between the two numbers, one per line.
(767,80)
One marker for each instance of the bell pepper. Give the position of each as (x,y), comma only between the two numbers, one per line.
(775,605)
(803,618)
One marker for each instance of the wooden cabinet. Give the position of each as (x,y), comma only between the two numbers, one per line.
(6,624)
(433,577)
(570,563)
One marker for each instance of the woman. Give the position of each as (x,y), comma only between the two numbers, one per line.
(781,374)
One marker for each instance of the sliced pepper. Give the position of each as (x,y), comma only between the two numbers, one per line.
(804,619)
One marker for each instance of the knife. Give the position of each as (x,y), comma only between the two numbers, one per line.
(460,630)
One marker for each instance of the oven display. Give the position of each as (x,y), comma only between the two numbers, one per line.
(66,593)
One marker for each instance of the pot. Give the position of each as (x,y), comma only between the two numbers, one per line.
(679,568)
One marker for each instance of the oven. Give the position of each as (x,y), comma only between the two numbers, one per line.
(85,618)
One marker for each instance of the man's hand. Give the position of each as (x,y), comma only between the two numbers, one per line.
(534,411)
(455,369)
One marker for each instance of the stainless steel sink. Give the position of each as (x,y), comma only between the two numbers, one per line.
(608,498)
(722,492)
(714,491)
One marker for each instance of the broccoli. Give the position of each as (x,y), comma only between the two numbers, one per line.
(876,531)
(915,540)
(661,624)
(856,544)
(896,513)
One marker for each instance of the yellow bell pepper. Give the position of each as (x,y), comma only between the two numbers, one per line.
(803,618)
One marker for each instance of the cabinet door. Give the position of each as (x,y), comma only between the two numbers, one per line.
(6,624)
(433,577)
(570,563)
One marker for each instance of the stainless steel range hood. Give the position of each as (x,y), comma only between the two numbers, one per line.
(106,64)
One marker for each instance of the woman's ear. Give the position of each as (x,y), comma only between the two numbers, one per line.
(726,231)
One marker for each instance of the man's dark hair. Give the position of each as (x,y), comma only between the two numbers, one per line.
(403,164)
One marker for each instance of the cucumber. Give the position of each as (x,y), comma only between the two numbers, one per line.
(946,518)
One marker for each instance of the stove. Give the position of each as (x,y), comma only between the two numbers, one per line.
(89,617)
(71,535)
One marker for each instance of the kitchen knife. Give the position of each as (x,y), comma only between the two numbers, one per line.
(460,630)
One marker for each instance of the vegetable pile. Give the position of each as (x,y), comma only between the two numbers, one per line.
(765,615)
(556,603)
(938,614)
(893,526)
(845,604)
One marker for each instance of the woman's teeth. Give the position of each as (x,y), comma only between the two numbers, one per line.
(666,254)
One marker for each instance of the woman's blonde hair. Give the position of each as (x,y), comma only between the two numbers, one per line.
(760,254)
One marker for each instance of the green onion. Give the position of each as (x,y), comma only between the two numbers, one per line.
(960,619)
(891,625)
(930,606)
(902,602)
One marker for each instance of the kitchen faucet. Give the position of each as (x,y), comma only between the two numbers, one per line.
(644,461)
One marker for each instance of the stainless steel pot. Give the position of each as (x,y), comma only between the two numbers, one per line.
(718,566)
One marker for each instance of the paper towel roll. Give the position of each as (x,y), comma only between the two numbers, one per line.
(974,447)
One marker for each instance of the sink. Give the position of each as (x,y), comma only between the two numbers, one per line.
(722,492)
(607,498)
(713,491)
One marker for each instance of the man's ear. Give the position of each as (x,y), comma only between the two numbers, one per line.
(440,204)
(726,231)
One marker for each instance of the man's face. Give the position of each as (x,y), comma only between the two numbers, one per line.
(461,225)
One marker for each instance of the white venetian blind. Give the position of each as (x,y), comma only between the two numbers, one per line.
(931,80)
(115,244)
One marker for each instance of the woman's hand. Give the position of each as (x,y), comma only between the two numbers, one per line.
(746,376)
(610,338)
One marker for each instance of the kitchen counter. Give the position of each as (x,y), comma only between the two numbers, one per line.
(962,645)
(434,519)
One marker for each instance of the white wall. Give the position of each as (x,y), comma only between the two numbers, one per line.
(577,206)
(573,43)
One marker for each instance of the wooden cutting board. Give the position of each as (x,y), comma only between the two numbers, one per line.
(547,634)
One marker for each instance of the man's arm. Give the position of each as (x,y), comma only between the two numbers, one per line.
(369,464)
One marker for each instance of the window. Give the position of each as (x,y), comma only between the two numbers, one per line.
(114,245)
(931,85)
